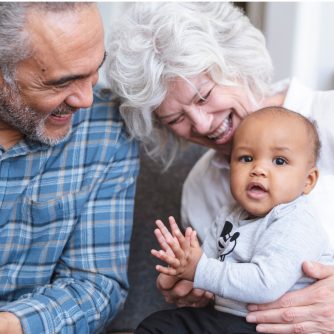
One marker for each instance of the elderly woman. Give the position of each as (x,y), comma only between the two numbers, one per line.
(192,72)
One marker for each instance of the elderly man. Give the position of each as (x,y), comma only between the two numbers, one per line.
(67,175)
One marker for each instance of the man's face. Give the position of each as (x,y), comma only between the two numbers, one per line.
(57,80)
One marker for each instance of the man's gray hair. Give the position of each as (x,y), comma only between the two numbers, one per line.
(14,40)
(157,42)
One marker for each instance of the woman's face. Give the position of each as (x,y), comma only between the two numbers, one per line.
(204,112)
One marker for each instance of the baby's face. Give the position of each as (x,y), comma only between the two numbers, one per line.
(271,162)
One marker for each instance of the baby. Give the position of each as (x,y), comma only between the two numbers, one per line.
(254,251)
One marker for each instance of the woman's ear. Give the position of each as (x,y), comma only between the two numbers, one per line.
(311,180)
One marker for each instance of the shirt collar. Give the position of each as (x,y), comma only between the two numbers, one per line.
(298,96)
(220,161)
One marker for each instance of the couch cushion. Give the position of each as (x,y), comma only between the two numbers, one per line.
(158,196)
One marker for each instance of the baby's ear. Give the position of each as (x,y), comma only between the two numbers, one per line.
(311,180)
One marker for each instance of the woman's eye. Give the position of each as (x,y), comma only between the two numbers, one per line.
(204,99)
(176,120)
(279,161)
(246,158)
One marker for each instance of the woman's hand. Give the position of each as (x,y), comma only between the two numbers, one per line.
(182,292)
(309,310)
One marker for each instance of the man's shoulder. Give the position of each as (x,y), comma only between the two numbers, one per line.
(99,133)
(104,105)
(103,118)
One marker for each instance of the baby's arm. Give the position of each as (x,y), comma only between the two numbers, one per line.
(180,252)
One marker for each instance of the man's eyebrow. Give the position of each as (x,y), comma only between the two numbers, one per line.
(103,60)
(68,78)
(64,79)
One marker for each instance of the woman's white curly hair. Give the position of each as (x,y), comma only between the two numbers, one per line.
(154,43)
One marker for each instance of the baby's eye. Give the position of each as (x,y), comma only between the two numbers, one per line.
(279,161)
(246,158)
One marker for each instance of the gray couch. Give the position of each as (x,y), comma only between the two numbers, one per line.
(158,196)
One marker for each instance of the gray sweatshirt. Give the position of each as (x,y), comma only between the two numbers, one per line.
(258,260)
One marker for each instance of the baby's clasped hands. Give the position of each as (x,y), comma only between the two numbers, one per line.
(180,252)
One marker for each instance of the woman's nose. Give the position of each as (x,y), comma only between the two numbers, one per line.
(201,121)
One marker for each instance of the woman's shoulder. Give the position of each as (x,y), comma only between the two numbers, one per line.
(208,182)
(208,166)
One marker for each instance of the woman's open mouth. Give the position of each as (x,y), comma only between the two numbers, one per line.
(223,130)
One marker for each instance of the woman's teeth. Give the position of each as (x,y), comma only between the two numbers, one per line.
(220,132)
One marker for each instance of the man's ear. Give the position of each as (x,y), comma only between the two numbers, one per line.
(311,180)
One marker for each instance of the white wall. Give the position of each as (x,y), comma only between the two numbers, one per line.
(279,25)
(110,11)
(324,67)
(299,37)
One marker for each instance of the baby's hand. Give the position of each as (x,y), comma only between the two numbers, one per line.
(162,235)
(169,243)
(181,253)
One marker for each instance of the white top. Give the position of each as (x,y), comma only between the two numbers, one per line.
(206,189)
(258,260)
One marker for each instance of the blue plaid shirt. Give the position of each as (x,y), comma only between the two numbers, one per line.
(65,224)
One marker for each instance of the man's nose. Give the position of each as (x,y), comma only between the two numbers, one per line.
(82,94)
(201,121)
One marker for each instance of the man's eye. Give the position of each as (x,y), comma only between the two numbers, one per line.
(279,161)
(176,120)
(246,158)
(63,85)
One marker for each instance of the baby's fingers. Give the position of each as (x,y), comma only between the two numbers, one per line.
(163,256)
(172,241)
(162,242)
(194,240)
(165,232)
(182,240)
(175,228)
(166,270)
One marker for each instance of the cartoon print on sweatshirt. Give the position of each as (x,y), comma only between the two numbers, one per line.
(227,241)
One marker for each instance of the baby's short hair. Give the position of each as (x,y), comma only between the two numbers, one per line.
(310,125)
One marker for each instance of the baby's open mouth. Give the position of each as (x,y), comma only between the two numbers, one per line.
(256,190)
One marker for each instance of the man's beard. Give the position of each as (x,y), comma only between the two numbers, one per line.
(26,119)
